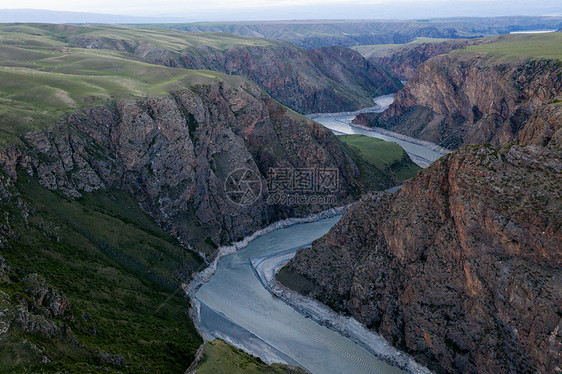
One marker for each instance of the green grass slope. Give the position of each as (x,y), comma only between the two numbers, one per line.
(382,50)
(385,156)
(221,358)
(120,272)
(519,46)
(41,78)
(173,40)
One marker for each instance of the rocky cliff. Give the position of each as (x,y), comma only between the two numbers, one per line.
(471,97)
(404,60)
(461,268)
(331,79)
(174,153)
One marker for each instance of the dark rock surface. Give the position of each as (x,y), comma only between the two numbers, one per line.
(174,153)
(466,98)
(404,60)
(461,268)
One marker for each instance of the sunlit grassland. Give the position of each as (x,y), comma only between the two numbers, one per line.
(42,79)
(381,50)
(519,46)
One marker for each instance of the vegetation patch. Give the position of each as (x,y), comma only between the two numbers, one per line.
(531,46)
(121,274)
(385,156)
(222,358)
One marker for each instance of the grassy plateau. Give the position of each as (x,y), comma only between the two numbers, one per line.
(519,46)
(42,78)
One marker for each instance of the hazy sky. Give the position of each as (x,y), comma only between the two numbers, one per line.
(283,9)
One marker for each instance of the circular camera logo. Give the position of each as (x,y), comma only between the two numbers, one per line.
(243,186)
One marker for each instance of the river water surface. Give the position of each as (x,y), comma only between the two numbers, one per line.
(422,153)
(234,304)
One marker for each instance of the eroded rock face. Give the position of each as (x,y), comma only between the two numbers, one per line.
(463,98)
(404,61)
(544,127)
(174,153)
(332,79)
(461,268)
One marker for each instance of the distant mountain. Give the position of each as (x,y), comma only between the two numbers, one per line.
(321,33)
(325,80)
(51,16)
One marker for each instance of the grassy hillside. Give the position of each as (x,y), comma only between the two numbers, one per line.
(41,78)
(385,156)
(221,358)
(120,273)
(534,46)
(173,40)
(85,65)
(382,50)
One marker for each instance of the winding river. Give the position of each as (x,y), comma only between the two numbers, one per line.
(421,152)
(235,304)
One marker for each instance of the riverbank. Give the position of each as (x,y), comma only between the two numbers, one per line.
(267,267)
(423,153)
(205,275)
(406,138)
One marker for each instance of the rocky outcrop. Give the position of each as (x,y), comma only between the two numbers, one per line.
(175,153)
(461,268)
(320,81)
(468,98)
(348,68)
(544,127)
(366,119)
(404,60)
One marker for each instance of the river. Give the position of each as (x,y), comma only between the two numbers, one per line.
(421,152)
(235,305)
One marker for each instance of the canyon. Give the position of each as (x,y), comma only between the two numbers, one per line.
(118,190)
(461,267)
(483,93)
(115,191)
(329,79)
